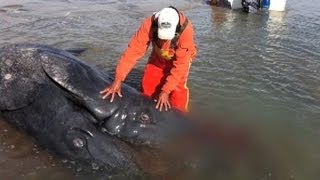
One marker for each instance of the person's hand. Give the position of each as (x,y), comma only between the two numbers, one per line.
(163,101)
(113,89)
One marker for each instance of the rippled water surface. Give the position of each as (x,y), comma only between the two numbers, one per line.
(262,70)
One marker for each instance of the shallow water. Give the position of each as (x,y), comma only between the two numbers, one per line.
(262,70)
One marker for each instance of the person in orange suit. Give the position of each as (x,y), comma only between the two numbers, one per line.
(166,73)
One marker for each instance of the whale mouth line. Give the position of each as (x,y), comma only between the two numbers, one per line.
(105,130)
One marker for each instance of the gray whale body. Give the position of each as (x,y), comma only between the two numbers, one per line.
(54,97)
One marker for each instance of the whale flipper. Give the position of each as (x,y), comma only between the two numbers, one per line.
(71,75)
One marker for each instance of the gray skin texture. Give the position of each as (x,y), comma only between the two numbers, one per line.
(54,97)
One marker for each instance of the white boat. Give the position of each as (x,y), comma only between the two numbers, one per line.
(275,5)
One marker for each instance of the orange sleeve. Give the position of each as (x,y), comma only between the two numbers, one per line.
(136,49)
(185,52)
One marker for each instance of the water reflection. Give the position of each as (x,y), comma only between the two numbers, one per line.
(219,15)
(274,86)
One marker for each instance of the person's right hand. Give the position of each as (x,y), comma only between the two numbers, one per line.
(114,88)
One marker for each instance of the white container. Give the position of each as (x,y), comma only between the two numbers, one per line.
(277,5)
(235,4)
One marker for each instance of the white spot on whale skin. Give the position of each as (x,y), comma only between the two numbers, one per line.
(44,56)
(142,125)
(8,62)
(116,115)
(8,76)
(98,110)
(123,116)
(118,129)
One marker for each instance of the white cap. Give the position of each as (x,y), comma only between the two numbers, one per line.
(168,20)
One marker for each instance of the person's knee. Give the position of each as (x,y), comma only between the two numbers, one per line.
(180,99)
(181,108)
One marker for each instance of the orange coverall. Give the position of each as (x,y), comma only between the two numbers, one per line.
(167,69)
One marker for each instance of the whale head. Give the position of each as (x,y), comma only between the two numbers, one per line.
(139,122)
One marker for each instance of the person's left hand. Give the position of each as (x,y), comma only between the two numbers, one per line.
(163,101)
